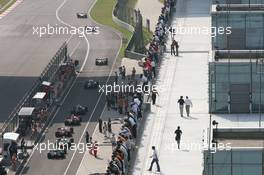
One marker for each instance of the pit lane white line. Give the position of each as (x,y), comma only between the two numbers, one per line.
(87,124)
(9,9)
(77,45)
(63,100)
(92,137)
(111,72)
(35,147)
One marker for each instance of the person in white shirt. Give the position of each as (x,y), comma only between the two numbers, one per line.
(137,101)
(188,104)
(154,159)
(134,107)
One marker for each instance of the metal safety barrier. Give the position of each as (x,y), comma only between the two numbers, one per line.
(11,124)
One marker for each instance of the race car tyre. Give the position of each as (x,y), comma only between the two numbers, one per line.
(71,130)
(49,156)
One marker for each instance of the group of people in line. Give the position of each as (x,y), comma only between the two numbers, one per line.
(163,19)
(130,103)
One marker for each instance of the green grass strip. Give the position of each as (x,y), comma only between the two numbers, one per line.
(102,13)
(4,6)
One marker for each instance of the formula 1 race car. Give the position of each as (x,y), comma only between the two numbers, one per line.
(90,84)
(57,154)
(81,15)
(64,132)
(92,29)
(101,61)
(79,110)
(73,120)
(64,143)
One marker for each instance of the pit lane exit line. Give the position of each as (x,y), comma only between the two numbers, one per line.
(63,100)
(10,8)
(110,73)
(43,134)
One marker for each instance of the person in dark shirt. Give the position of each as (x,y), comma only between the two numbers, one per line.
(177,48)
(87,137)
(100,125)
(154,96)
(178,133)
(173,45)
(181,105)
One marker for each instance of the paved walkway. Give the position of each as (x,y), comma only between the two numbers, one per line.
(183,75)
(129,64)
(90,164)
(150,9)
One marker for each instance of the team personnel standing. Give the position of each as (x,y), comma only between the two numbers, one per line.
(100,125)
(87,137)
(154,159)
(178,133)
(188,105)
(94,149)
(181,105)
(109,126)
(105,130)
(133,73)
(116,77)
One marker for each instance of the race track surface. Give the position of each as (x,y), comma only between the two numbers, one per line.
(24,56)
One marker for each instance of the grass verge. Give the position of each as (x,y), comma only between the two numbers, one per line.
(5,4)
(102,13)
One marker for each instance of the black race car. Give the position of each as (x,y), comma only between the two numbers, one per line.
(92,29)
(81,15)
(101,61)
(57,154)
(79,110)
(64,132)
(73,120)
(91,84)
(64,143)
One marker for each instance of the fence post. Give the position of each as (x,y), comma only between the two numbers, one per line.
(148,25)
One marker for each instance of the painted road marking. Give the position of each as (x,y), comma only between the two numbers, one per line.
(11,8)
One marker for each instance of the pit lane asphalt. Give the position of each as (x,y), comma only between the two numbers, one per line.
(30,54)
(23,56)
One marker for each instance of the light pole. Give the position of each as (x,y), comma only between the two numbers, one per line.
(260,62)
(211,104)
(210,119)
